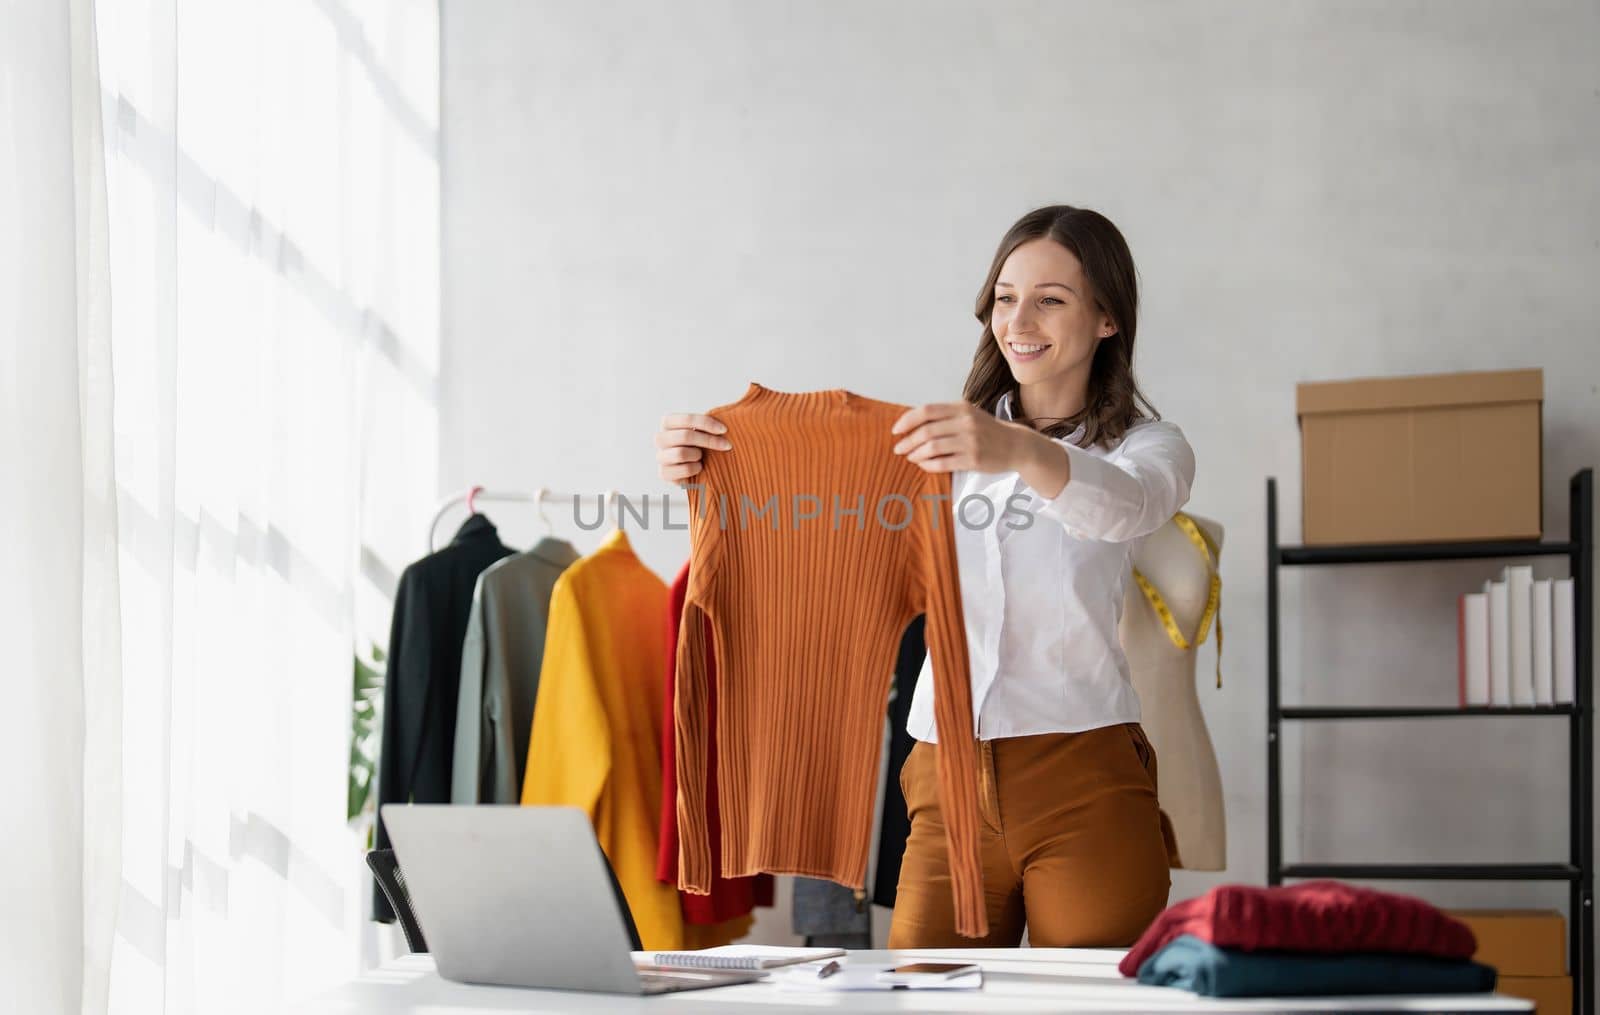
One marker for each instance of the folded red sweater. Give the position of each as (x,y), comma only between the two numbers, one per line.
(1313,916)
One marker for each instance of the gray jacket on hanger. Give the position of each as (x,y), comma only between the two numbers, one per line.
(500,659)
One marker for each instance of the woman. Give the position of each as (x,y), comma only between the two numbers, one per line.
(1075,848)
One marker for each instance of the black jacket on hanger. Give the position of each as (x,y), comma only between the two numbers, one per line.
(424,673)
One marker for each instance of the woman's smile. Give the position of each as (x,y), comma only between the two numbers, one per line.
(1026,352)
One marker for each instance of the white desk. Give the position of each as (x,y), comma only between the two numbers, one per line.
(1014,979)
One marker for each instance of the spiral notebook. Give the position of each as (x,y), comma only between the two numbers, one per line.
(741,957)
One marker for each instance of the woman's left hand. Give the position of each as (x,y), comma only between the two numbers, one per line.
(945,436)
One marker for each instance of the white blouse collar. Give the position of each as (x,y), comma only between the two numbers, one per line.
(1002,410)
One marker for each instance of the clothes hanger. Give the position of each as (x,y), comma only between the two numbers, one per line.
(538,506)
(470,501)
(611,507)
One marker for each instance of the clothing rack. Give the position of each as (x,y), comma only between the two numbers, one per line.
(538,498)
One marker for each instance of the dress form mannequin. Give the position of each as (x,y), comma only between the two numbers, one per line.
(1190,784)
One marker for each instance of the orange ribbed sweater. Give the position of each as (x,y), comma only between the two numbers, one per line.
(806,618)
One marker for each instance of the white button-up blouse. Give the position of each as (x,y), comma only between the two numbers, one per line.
(1042,602)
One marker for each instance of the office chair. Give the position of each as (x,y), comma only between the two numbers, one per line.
(622,903)
(386,869)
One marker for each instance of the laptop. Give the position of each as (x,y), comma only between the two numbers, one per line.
(522,897)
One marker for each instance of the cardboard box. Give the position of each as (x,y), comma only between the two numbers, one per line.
(1425,458)
(1518,942)
(1551,995)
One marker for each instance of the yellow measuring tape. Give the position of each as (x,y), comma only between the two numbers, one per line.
(1202,543)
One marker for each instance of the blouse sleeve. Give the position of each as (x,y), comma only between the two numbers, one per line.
(1131,492)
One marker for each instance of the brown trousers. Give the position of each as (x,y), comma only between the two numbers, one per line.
(1074,845)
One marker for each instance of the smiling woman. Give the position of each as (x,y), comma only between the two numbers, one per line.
(1074,848)
(1074,845)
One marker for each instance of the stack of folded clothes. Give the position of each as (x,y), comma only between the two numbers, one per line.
(1316,937)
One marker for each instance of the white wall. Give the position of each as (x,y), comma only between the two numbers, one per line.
(648,206)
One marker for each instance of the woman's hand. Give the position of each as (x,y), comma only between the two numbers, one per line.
(680,441)
(945,436)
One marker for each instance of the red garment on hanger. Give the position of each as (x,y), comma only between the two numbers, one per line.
(730,897)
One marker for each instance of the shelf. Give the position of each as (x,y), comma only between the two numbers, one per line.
(1450,712)
(1435,872)
(1390,553)
(1578,872)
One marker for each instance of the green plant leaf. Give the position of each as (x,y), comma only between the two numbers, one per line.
(365,700)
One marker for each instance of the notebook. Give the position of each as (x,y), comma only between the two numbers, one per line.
(742,957)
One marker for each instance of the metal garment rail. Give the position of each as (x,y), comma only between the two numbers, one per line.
(607,501)
(1578,872)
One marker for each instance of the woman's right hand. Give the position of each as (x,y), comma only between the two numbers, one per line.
(680,441)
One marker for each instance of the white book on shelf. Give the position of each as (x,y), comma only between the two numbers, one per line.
(1499,644)
(1544,688)
(1563,641)
(1519,608)
(1473,645)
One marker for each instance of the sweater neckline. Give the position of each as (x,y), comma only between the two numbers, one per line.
(616,541)
(758,392)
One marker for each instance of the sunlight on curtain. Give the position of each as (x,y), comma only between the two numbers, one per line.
(273,175)
(58,528)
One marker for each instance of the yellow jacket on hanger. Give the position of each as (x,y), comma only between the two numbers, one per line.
(596,735)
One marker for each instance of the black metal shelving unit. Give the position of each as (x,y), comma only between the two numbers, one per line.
(1579,871)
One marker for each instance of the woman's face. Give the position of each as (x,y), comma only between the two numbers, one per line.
(1044,316)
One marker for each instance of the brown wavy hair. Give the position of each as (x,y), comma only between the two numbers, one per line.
(1114,399)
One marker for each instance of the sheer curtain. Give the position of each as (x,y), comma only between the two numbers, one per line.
(226,214)
(58,560)
(272,174)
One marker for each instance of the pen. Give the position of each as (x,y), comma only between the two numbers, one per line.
(828,970)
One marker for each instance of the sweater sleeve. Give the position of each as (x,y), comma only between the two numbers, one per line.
(569,746)
(467,766)
(404,690)
(945,631)
(692,729)
(667,847)
(502,758)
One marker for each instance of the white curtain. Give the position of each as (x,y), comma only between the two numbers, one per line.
(58,561)
(251,263)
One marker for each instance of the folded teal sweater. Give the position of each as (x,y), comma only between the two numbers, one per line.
(1191,964)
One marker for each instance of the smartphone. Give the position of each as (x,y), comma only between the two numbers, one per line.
(926,972)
